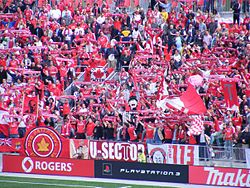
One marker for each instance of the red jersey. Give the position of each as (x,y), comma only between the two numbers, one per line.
(132,134)
(90,129)
(13,128)
(229,132)
(66,129)
(149,133)
(81,126)
(168,132)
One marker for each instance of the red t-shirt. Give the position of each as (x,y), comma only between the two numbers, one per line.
(149,133)
(66,129)
(66,109)
(229,131)
(168,132)
(90,128)
(13,128)
(131,132)
(81,126)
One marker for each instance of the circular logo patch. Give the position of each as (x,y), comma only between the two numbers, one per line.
(43,142)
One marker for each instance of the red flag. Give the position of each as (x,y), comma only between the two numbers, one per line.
(189,102)
(30,105)
(230,94)
(4,127)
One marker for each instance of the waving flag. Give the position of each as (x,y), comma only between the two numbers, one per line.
(197,126)
(189,102)
(4,127)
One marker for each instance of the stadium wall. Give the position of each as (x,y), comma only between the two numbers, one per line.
(215,176)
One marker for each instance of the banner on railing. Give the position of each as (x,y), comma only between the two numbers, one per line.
(174,154)
(119,151)
(219,176)
(49,166)
(79,149)
(46,142)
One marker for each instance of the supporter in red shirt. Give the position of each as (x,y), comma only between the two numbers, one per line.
(13,129)
(132,134)
(81,128)
(181,135)
(168,133)
(66,108)
(228,138)
(90,126)
(66,129)
(149,134)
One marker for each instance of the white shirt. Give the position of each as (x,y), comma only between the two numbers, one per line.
(55,14)
(78,31)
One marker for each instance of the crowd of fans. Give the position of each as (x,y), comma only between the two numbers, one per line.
(45,49)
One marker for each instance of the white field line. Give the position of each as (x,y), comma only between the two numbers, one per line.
(46,184)
(114,181)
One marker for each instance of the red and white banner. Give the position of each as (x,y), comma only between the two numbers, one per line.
(119,151)
(49,166)
(219,176)
(197,126)
(174,154)
(79,149)
(230,94)
(4,127)
(189,102)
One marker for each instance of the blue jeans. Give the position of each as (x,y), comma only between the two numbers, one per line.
(228,148)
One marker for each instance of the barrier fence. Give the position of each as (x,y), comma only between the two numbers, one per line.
(46,142)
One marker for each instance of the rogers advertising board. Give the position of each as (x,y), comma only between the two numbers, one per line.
(219,176)
(119,151)
(50,166)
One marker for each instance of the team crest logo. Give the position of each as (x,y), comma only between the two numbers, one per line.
(43,142)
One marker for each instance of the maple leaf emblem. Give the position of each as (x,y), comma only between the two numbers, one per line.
(98,74)
(43,146)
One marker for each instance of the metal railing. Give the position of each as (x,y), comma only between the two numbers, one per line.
(222,156)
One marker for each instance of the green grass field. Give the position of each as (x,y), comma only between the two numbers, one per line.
(21,182)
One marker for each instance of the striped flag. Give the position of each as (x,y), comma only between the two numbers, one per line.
(197,126)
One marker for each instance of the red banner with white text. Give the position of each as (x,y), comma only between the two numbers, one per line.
(230,94)
(219,176)
(119,151)
(50,166)
(174,154)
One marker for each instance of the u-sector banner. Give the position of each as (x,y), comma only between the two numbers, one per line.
(141,171)
(118,151)
(219,176)
(174,154)
(50,166)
